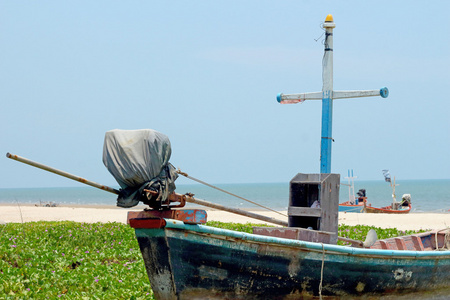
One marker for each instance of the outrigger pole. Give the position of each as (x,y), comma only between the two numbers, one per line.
(187,197)
(327,95)
(62,173)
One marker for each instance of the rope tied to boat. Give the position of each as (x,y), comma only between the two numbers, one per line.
(321,272)
(226,192)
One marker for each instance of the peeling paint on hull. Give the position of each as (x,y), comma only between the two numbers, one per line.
(193,261)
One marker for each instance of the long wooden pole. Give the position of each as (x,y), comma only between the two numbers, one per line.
(189,199)
(61,173)
(236,211)
(114,191)
(226,192)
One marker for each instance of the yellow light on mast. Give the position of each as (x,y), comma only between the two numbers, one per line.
(329,18)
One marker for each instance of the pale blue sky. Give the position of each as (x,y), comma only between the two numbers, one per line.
(206,73)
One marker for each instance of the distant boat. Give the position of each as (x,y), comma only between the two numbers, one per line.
(396,207)
(354,204)
(388,209)
(357,206)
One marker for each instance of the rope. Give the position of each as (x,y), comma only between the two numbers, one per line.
(226,192)
(321,272)
(436,238)
(321,26)
(447,239)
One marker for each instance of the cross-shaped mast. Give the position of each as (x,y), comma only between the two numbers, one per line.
(327,95)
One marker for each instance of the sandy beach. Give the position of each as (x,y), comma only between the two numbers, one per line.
(17,214)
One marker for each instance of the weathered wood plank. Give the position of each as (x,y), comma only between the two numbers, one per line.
(304,211)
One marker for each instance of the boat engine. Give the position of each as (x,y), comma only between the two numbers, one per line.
(139,161)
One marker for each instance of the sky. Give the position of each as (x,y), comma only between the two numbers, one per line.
(207,73)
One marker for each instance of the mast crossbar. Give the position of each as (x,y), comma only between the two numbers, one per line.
(327,96)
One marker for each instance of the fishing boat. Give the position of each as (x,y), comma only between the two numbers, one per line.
(396,207)
(185,259)
(300,258)
(403,209)
(354,204)
(190,261)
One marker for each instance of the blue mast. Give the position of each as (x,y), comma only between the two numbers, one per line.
(327,100)
(327,95)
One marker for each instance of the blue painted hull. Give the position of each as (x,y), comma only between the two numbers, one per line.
(194,262)
(351,208)
(355,208)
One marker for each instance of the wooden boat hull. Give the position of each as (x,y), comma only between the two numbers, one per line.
(200,262)
(356,208)
(351,208)
(386,210)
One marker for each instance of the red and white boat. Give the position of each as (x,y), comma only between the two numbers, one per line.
(396,207)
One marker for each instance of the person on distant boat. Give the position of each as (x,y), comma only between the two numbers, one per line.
(361,195)
(406,199)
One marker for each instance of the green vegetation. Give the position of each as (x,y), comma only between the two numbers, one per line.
(40,260)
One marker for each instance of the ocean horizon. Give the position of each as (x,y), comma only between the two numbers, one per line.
(426,195)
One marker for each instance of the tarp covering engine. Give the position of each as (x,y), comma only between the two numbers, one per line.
(138,160)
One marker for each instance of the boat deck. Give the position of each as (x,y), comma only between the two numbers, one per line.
(427,241)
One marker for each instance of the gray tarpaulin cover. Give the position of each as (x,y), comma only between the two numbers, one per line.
(138,160)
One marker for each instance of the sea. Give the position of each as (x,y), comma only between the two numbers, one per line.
(431,196)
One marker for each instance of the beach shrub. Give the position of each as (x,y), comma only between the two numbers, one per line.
(40,260)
